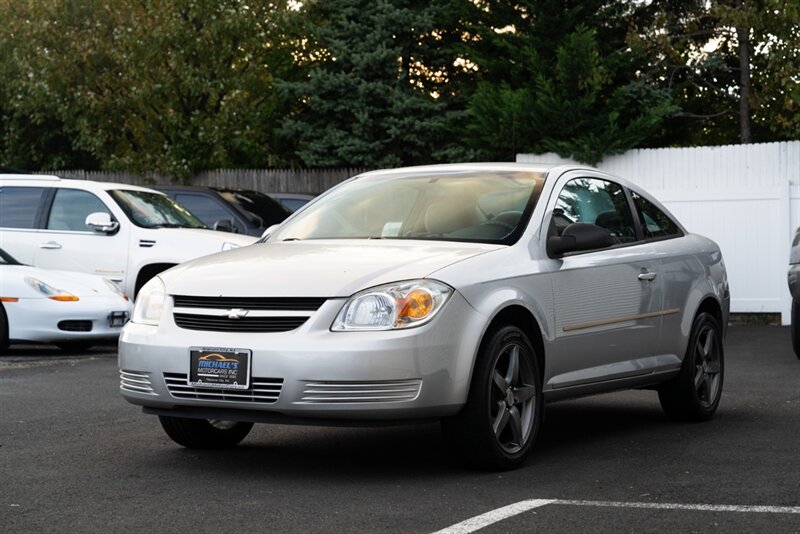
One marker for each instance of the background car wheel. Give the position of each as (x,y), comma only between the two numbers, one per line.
(796,327)
(3,330)
(204,433)
(499,424)
(75,346)
(694,394)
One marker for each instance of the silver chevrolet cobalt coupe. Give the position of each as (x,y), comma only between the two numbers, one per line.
(470,294)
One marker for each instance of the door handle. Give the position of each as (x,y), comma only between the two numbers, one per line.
(50,245)
(647,276)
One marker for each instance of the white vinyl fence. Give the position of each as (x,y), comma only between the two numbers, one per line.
(744,197)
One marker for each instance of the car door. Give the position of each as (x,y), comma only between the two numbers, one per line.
(67,243)
(607,302)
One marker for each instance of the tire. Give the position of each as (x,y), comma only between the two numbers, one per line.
(694,394)
(795,328)
(3,330)
(204,433)
(498,426)
(75,346)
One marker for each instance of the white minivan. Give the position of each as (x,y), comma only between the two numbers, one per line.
(123,232)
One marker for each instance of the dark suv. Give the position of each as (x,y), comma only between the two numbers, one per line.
(241,211)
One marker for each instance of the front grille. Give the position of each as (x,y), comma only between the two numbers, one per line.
(250,303)
(245,324)
(360,392)
(75,326)
(135,381)
(262,390)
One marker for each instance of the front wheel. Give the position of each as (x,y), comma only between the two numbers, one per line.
(499,424)
(694,394)
(204,433)
(796,327)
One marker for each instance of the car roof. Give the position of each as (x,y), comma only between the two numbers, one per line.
(466,167)
(31,179)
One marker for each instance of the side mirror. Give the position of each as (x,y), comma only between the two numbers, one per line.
(224,225)
(268,231)
(578,236)
(101,222)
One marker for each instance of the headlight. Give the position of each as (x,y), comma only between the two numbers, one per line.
(49,291)
(115,288)
(393,306)
(149,303)
(227,245)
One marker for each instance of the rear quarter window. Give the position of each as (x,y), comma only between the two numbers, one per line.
(19,206)
(655,223)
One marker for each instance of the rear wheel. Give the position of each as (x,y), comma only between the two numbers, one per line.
(3,330)
(796,327)
(694,394)
(204,433)
(499,424)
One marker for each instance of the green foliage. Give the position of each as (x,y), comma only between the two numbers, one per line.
(183,86)
(564,88)
(366,101)
(692,47)
(172,87)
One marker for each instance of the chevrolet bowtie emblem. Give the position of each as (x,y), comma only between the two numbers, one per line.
(237,313)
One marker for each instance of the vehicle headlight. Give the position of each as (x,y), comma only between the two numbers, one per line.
(115,288)
(49,291)
(149,303)
(393,306)
(227,245)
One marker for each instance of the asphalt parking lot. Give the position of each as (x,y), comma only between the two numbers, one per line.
(75,457)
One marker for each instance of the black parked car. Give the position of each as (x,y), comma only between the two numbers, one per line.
(242,211)
(292,201)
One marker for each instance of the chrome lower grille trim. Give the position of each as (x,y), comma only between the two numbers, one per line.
(135,382)
(262,390)
(326,392)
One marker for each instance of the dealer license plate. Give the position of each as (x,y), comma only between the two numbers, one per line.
(219,368)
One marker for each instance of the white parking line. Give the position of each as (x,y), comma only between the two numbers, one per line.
(484,520)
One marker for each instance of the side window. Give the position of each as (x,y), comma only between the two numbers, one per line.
(70,209)
(595,201)
(19,206)
(204,208)
(655,223)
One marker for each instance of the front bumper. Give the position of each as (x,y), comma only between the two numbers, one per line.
(45,320)
(311,372)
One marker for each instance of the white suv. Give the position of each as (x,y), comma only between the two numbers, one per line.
(123,232)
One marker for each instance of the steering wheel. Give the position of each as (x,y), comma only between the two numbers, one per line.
(507,219)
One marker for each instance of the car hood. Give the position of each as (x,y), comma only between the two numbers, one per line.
(12,282)
(318,268)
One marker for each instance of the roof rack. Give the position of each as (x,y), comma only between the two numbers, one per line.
(30,177)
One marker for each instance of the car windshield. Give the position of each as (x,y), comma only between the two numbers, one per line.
(259,208)
(474,206)
(154,210)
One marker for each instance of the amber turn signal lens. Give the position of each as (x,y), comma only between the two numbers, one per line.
(417,304)
(64,297)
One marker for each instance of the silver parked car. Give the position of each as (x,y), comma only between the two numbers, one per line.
(471,294)
(794,288)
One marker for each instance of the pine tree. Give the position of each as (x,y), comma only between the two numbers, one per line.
(369,99)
